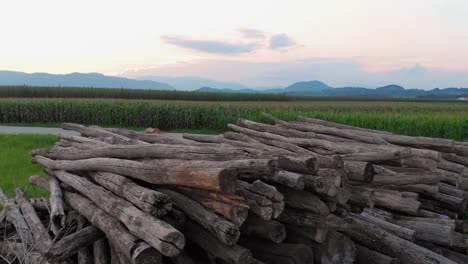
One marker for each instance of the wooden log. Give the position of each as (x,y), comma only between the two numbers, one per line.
(359,171)
(396,203)
(287,178)
(378,213)
(302,218)
(233,212)
(146,137)
(304,200)
(395,229)
(360,197)
(219,179)
(85,254)
(157,233)
(299,164)
(101,252)
(226,231)
(365,256)
(83,140)
(98,132)
(242,140)
(259,204)
(42,240)
(136,250)
(341,198)
(13,252)
(233,254)
(373,156)
(149,201)
(338,125)
(270,252)
(156,151)
(451,190)
(270,230)
(452,255)
(428,214)
(57,213)
(450,166)
(455,158)
(406,178)
(271,193)
(379,240)
(14,216)
(434,232)
(71,244)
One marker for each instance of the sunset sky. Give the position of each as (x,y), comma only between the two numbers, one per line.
(415,43)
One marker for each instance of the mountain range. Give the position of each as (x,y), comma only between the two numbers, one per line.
(307,88)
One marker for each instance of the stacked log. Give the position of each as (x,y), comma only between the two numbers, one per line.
(304,191)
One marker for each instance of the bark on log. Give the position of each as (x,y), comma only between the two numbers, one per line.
(57,213)
(396,203)
(218,179)
(149,201)
(271,193)
(299,164)
(366,256)
(270,230)
(98,132)
(287,178)
(226,231)
(452,255)
(14,216)
(360,197)
(132,247)
(395,229)
(303,200)
(450,166)
(234,254)
(434,232)
(259,204)
(373,156)
(71,244)
(455,158)
(359,171)
(157,233)
(379,240)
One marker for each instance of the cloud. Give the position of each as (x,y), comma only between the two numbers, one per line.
(210,46)
(252,33)
(280,41)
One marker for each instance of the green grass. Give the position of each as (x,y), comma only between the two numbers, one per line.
(15,162)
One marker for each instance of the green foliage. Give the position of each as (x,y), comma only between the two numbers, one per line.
(434,119)
(15,162)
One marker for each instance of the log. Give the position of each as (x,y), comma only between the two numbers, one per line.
(359,171)
(434,232)
(83,140)
(157,233)
(71,244)
(301,218)
(395,229)
(450,166)
(259,204)
(299,164)
(378,213)
(270,252)
(452,255)
(155,151)
(360,197)
(338,125)
(365,256)
(146,137)
(154,203)
(455,158)
(42,240)
(12,252)
(379,240)
(373,156)
(248,142)
(57,213)
(98,132)
(226,231)
(14,216)
(337,249)
(451,190)
(101,252)
(396,203)
(85,254)
(218,179)
(271,193)
(132,247)
(304,200)
(287,178)
(233,254)
(270,230)
(234,213)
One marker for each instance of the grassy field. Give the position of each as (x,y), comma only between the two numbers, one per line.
(434,119)
(15,161)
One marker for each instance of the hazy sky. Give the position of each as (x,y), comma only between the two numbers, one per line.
(417,43)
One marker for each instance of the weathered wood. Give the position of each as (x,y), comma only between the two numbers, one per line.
(57,213)
(157,233)
(396,203)
(302,218)
(287,178)
(219,179)
(101,252)
(85,254)
(430,231)
(338,125)
(337,249)
(299,164)
(359,171)
(237,212)
(452,255)
(98,132)
(283,253)
(366,256)
(233,254)
(455,158)
(71,244)
(149,201)
(378,213)
(379,240)
(304,200)
(156,151)
(42,240)
(373,156)
(134,248)
(451,190)
(270,230)
(14,216)
(259,204)
(271,193)
(226,231)
(395,229)
(450,166)
(360,197)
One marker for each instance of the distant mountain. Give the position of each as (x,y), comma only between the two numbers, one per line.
(214,90)
(189,83)
(78,80)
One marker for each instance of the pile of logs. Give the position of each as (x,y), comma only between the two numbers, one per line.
(305,191)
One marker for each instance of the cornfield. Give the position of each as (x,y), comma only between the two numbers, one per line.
(434,119)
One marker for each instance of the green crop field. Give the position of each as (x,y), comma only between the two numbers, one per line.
(434,119)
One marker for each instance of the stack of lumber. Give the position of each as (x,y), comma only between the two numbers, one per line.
(306,191)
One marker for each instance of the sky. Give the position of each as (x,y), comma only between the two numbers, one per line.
(417,43)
